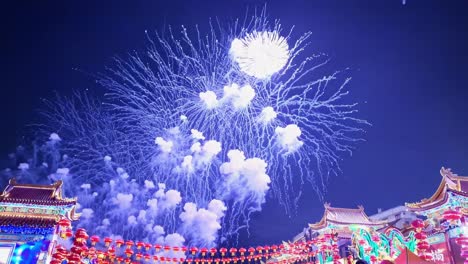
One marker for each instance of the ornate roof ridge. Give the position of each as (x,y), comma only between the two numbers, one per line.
(28,216)
(363,217)
(449,182)
(54,188)
(327,206)
(37,201)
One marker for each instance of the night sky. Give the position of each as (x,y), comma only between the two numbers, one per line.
(409,65)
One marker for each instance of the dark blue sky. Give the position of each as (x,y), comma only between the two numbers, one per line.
(409,63)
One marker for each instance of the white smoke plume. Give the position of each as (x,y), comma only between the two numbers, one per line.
(245,178)
(267,115)
(240,97)
(165,146)
(202,225)
(288,137)
(209,98)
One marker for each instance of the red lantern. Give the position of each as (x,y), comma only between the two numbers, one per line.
(64,223)
(76,250)
(84,249)
(242,251)
(100,254)
(129,243)
(259,249)
(167,248)
(223,251)
(251,250)
(138,256)
(128,252)
(157,247)
(92,250)
(420,236)
(94,240)
(148,246)
(193,250)
(74,258)
(203,251)
(213,251)
(452,215)
(233,251)
(111,250)
(274,248)
(417,224)
(60,248)
(423,245)
(67,233)
(107,241)
(155,258)
(58,255)
(140,244)
(119,242)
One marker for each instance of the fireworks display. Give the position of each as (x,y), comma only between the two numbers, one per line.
(197,132)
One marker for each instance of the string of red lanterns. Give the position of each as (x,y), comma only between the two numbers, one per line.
(422,245)
(79,250)
(325,244)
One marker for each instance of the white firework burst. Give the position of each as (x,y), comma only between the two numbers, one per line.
(260,54)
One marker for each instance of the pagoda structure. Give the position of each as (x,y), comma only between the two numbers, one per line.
(451,193)
(339,224)
(445,214)
(30,219)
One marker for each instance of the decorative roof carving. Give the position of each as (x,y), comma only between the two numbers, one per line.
(450,182)
(35,194)
(35,205)
(345,216)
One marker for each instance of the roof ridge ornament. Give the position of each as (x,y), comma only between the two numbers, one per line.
(448,176)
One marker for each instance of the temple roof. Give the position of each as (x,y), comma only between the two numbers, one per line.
(450,183)
(345,216)
(27,221)
(35,194)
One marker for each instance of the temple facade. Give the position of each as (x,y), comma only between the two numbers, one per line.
(445,214)
(433,230)
(31,217)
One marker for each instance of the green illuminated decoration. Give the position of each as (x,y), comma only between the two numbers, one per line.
(383,246)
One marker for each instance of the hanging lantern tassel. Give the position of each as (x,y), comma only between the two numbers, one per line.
(157,247)
(233,251)
(194,250)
